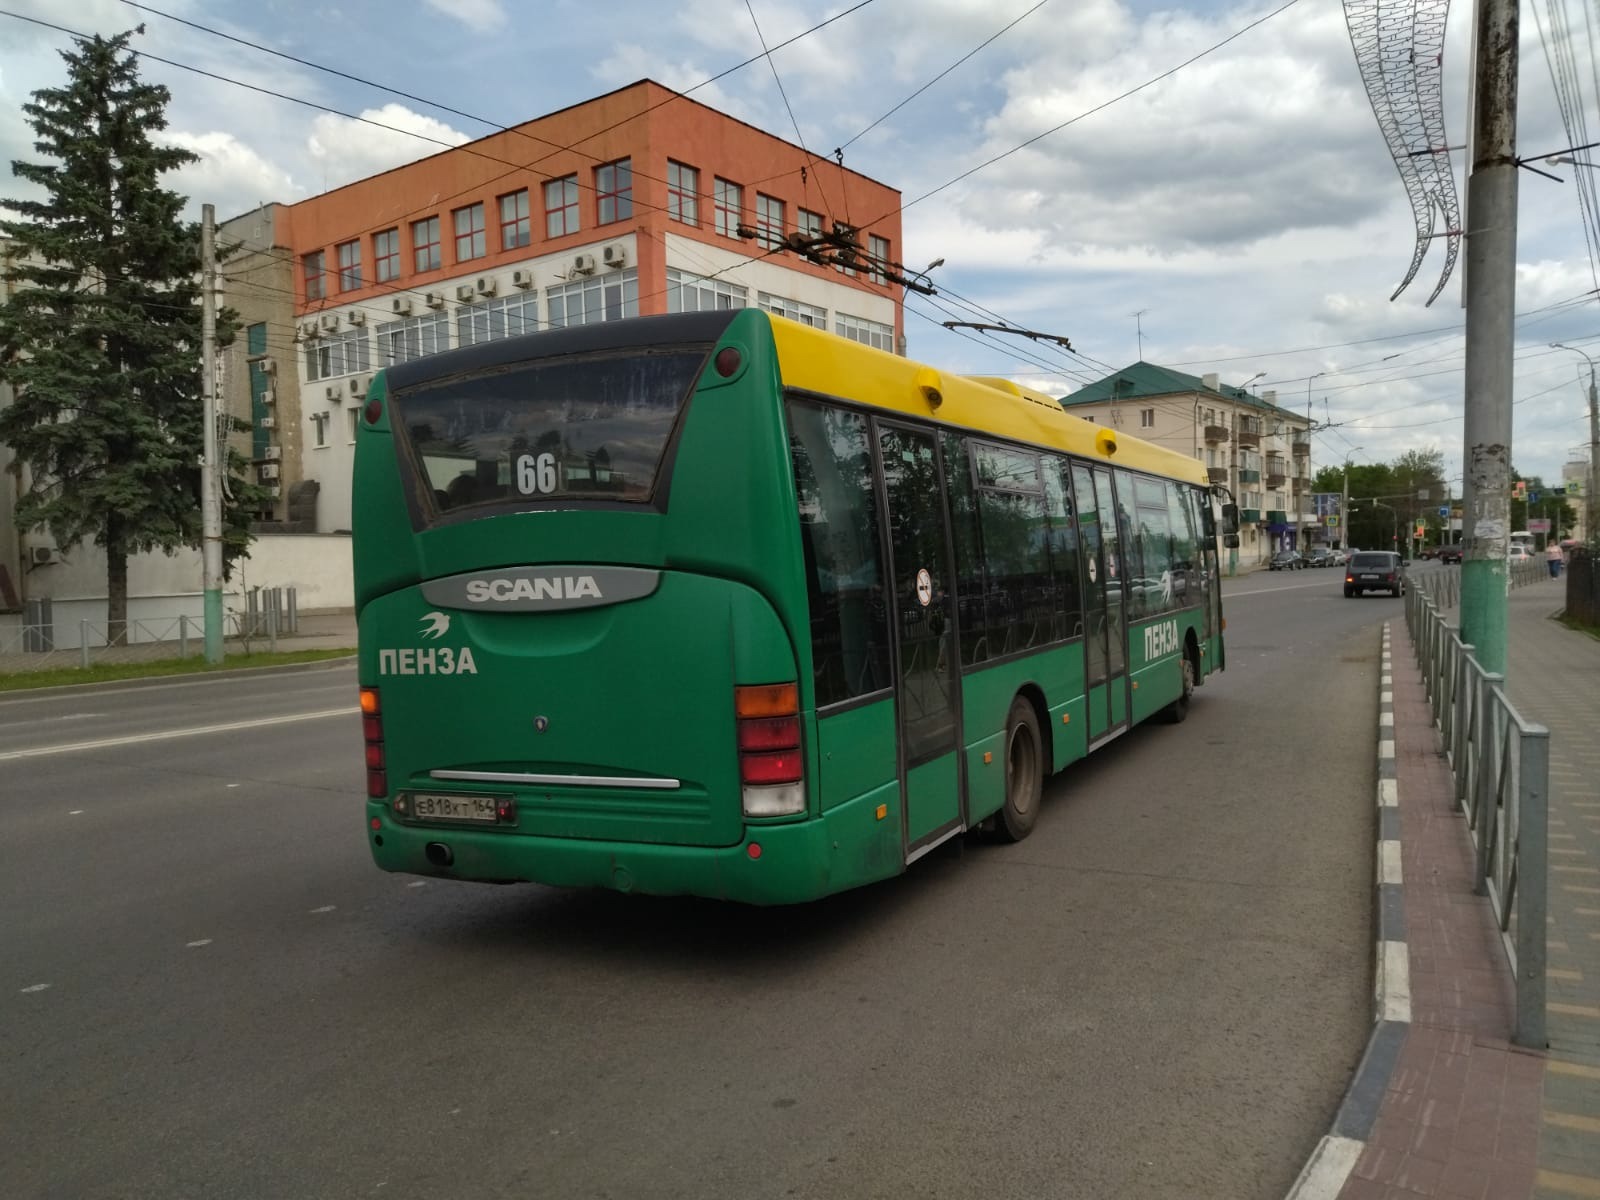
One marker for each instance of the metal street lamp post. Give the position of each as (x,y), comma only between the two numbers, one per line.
(1591,501)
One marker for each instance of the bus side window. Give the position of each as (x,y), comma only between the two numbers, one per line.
(1127,533)
(838,514)
(1064,563)
(969,552)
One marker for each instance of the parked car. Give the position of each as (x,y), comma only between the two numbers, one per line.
(1428,552)
(1340,557)
(1519,554)
(1375,571)
(1449,554)
(1286,560)
(1320,556)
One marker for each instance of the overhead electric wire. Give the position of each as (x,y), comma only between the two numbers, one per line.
(799,137)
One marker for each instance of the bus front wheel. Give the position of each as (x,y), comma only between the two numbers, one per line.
(1024,773)
(1179,708)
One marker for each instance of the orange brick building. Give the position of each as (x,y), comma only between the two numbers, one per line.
(626,204)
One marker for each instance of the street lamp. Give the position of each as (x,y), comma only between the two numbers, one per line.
(1591,506)
(1344,505)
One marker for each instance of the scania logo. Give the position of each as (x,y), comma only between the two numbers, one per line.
(544,588)
(539,587)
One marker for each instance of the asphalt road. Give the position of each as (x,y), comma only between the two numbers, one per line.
(207,990)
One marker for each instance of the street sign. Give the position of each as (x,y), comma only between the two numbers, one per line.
(1444,510)
(1533,497)
(1539,525)
(1332,522)
(1574,488)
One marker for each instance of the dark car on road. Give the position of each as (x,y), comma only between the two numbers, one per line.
(1375,571)
(1449,554)
(1286,560)
(1321,556)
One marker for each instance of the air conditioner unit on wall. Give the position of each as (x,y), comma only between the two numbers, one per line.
(356,316)
(358,385)
(583,264)
(464,292)
(401,306)
(333,393)
(486,285)
(267,423)
(308,329)
(434,300)
(274,491)
(522,278)
(269,395)
(330,322)
(615,255)
(274,452)
(43,556)
(269,366)
(269,470)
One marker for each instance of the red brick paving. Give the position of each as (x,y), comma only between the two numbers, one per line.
(1460,1119)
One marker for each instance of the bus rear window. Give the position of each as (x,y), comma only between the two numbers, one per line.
(579,428)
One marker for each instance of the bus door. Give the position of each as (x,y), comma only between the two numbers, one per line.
(1105,624)
(927,659)
(1210,595)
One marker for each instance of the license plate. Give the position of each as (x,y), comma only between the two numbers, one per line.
(1369,577)
(453,808)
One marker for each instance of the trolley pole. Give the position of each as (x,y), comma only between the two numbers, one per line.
(1491,239)
(210,496)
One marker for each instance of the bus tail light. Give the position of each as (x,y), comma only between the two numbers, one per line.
(770,766)
(372,735)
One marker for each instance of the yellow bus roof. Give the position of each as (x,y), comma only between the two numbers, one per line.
(817,361)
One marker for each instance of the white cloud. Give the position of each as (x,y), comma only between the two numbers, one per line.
(484,16)
(230,174)
(343,150)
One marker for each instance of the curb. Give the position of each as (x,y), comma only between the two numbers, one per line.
(1335,1156)
(134,684)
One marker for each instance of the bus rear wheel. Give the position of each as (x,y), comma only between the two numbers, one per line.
(1179,708)
(1024,773)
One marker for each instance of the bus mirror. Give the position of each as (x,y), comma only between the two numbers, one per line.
(927,382)
(1106,442)
(1230,541)
(1230,519)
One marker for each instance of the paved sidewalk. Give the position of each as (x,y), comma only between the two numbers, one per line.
(1465,1114)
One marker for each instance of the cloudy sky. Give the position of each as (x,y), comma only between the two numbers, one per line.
(1245,205)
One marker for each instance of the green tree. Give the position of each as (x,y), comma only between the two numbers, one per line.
(100,336)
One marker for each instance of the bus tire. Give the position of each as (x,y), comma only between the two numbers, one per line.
(1024,763)
(1178,710)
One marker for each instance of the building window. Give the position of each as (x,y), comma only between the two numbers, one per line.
(354,414)
(314,266)
(425,241)
(515,230)
(502,317)
(1147,418)
(598,298)
(692,293)
(341,354)
(868,333)
(683,186)
(878,249)
(809,223)
(386,254)
(319,425)
(470,239)
(414,337)
(349,265)
(613,184)
(769,220)
(729,201)
(795,310)
(561,206)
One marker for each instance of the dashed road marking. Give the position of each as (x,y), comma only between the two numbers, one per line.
(418,883)
(325,908)
(35,987)
(76,812)
(197,943)
(168,734)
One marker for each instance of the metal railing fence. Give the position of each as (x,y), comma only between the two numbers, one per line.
(44,643)
(1500,763)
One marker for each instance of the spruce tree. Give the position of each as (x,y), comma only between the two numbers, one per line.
(100,337)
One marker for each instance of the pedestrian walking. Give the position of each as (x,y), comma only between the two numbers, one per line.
(1553,556)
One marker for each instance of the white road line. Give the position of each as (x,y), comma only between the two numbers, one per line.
(1292,587)
(1385,749)
(418,883)
(24,698)
(325,908)
(1385,720)
(1394,982)
(1388,793)
(76,812)
(201,942)
(1327,1169)
(166,735)
(37,987)
(1389,862)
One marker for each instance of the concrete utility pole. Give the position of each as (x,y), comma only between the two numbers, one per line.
(210,474)
(1491,299)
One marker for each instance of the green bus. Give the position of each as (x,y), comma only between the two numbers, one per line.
(720,604)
